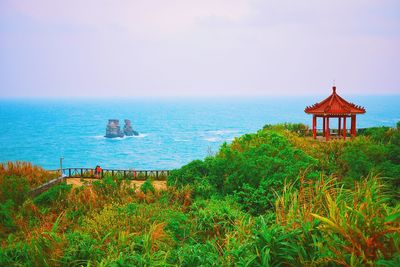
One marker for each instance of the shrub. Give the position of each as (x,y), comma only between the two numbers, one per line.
(55,194)
(188,174)
(178,224)
(16,254)
(252,166)
(82,249)
(201,254)
(147,186)
(356,227)
(13,187)
(7,223)
(276,245)
(214,218)
(35,175)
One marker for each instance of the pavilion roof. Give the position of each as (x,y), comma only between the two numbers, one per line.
(334,105)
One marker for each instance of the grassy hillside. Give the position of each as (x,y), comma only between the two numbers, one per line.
(267,199)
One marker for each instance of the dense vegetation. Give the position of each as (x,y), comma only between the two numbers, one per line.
(271,198)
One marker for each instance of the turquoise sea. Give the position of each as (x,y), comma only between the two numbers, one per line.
(172,132)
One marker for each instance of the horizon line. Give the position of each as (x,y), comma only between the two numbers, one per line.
(232,96)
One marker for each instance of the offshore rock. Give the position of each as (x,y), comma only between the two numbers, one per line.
(128,130)
(113,129)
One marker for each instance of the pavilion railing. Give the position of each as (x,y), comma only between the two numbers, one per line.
(332,132)
(336,131)
(114,173)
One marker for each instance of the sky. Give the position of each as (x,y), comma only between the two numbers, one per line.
(172,48)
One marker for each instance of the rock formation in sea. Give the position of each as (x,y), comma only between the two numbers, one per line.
(128,130)
(113,129)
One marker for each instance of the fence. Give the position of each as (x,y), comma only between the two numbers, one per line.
(122,174)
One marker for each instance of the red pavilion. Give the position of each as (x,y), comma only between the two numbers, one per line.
(334,107)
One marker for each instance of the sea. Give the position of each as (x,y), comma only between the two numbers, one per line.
(173,132)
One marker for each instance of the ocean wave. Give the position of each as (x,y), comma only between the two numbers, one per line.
(181,140)
(141,135)
(223,132)
(212,139)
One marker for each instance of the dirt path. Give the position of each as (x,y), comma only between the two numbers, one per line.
(158,185)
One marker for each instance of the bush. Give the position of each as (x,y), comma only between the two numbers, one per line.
(214,218)
(54,194)
(34,175)
(351,227)
(317,219)
(253,167)
(276,245)
(147,186)
(82,249)
(16,254)
(201,254)
(13,187)
(7,223)
(188,174)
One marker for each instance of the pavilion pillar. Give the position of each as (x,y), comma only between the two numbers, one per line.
(339,126)
(344,128)
(327,133)
(314,126)
(323,125)
(353,126)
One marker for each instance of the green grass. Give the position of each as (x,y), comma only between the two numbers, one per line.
(273,198)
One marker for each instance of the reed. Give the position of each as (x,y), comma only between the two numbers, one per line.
(35,175)
(358,226)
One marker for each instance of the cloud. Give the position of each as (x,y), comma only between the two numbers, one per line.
(140,17)
(166,48)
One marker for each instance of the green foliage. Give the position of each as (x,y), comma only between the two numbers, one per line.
(178,225)
(298,128)
(147,186)
(82,249)
(366,228)
(250,166)
(107,185)
(279,246)
(16,254)
(7,216)
(13,187)
(55,194)
(200,254)
(214,217)
(352,227)
(274,198)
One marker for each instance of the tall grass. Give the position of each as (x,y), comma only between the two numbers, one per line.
(323,218)
(358,226)
(35,175)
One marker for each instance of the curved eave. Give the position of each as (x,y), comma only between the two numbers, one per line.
(334,113)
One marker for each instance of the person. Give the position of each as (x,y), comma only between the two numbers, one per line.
(97,171)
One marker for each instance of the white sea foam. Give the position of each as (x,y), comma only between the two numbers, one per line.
(181,140)
(223,132)
(141,135)
(100,137)
(212,139)
(220,135)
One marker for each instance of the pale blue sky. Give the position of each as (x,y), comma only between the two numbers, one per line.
(161,48)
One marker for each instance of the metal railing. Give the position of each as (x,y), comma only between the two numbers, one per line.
(122,174)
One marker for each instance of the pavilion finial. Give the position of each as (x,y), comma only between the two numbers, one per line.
(334,86)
